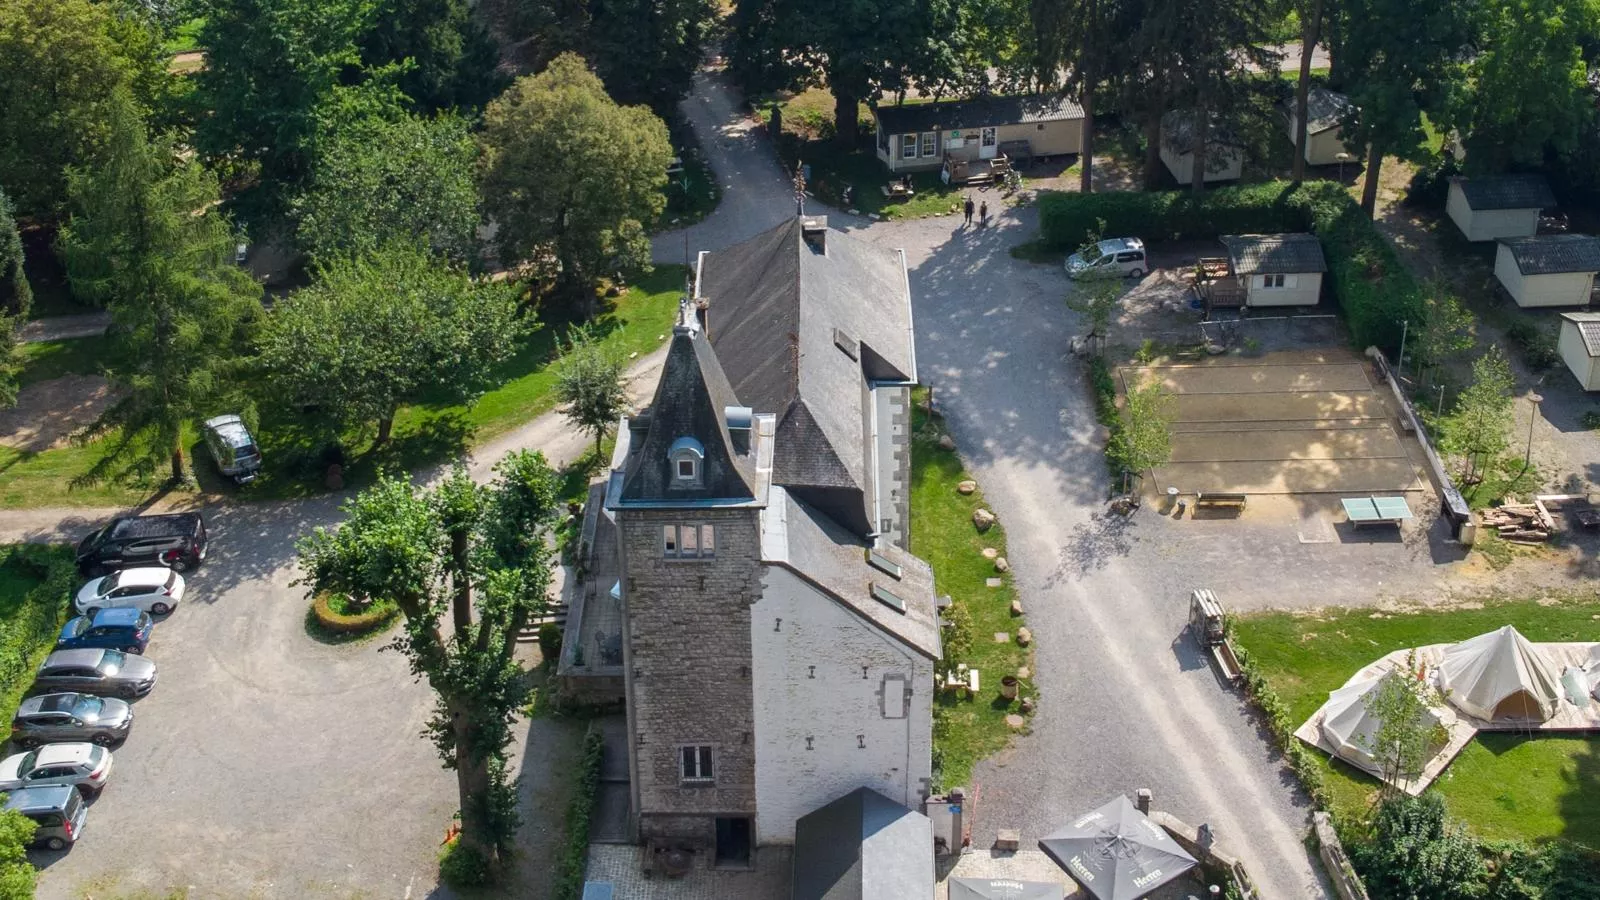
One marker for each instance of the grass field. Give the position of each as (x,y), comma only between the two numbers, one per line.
(1504,786)
(942,533)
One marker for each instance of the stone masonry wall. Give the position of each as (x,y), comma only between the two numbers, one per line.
(689,668)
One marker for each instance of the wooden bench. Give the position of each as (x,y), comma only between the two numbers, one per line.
(1212,498)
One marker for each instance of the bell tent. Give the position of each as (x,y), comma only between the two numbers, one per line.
(1500,676)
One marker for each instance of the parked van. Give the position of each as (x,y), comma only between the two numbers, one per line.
(58,810)
(1123,256)
(233,448)
(174,540)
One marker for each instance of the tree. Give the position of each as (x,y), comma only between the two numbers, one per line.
(570,177)
(1400,59)
(589,382)
(1311,13)
(1144,441)
(1097,291)
(396,543)
(384,180)
(1418,852)
(1087,40)
(645,51)
(450,59)
(1529,91)
(1407,735)
(145,239)
(376,331)
(15,294)
(1445,330)
(1478,426)
(62,64)
(17,875)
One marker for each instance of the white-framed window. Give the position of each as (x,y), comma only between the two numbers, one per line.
(1272,281)
(695,764)
(908,146)
(930,143)
(689,541)
(687,458)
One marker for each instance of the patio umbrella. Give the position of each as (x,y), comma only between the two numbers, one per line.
(1116,852)
(1003,889)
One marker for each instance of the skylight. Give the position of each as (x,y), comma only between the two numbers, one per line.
(888,598)
(884,565)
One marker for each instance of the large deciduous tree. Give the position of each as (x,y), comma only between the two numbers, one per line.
(1399,60)
(373,332)
(391,179)
(570,177)
(646,51)
(452,59)
(481,555)
(146,239)
(1086,40)
(15,294)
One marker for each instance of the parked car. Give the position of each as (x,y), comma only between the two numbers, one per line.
(232,448)
(58,812)
(121,628)
(86,766)
(103,672)
(151,588)
(50,718)
(1123,256)
(174,540)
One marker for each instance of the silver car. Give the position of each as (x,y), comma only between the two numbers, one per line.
(105,672)
(233,448)
(54,718)
(1113,256)
(84,766)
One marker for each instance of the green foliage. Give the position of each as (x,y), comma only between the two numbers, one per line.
(570,176)
(1144,440)
(1282,721)
(1418,852)
(589,383)
(36,582)
(377,331)
(1375,293)
(574,858)
(387,180)
(1478,428)
(15,294)
(1406,736)
(464,865)
(1537,343)
(337,615)
(146,240)
(17,875)
(1444,331)
(449,59)
(550,641)
(646,51)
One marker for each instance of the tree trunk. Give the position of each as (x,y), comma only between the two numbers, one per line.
(1086,159)
(177,459)
(1369,188)
(1309,32)
(473,788)
(385,428)
(461,578)
(1152,149)
(598,437)
(1202,124)
(846,108)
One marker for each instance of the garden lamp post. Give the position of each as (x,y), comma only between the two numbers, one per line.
(1343,158)
(1535,399)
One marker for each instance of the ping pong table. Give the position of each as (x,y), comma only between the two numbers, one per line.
(1376,510)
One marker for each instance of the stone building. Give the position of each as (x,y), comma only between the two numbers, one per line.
(772,637)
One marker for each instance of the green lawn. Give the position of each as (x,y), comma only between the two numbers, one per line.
(942,533)
(1504,786)
(44,360)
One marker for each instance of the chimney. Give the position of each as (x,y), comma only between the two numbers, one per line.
(814,229)
(1142,800)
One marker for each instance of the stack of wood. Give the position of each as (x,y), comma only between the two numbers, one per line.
(1521,523)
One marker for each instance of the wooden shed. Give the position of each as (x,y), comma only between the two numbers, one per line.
(1324,141)
(1580,347)
(916,137)
(1224,152)
(1500,206)
(1548,269)
(1277,269)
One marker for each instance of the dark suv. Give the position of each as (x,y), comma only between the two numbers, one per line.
(175,540)
(122,628)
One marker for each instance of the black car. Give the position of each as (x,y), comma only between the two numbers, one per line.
(122,628)
(174,540)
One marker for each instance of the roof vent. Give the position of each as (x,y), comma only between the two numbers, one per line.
(739,419)
(883,564)
(844,342)
(888,598)
(814,229)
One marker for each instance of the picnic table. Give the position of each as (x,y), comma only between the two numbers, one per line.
(896,190)
(1376,510)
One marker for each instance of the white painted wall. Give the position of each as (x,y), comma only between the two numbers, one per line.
(1488,224)
(1322,148)
(1555,289)
(831,704)
(1299,290)
(1181,165)
(1584,367)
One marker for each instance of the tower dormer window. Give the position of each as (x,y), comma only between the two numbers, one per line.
(687,458)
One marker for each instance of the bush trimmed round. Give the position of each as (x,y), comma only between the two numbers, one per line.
(375,616)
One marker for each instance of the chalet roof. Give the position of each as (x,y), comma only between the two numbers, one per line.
(1506,192)
(1588,325)
(691,400)
(1266,254)
(1554,254)
(1324,109)
(862,846)
(798,328)
(1178,131)
(980,112)
(799,537)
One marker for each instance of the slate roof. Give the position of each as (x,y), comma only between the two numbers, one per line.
(799,537)
(1506,192)
(862,846)
(690,400)
(1588,328)
(773,307)
(1554,254)
(1178,131)
(1267,254)
(981,112)
(1324,108)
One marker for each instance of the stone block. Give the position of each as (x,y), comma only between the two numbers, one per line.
(1007,839)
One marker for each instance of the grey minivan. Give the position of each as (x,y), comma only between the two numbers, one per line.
(96,672)
(58,810)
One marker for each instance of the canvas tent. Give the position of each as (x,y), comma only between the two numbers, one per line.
(1351,729)
(860,847)
(1500,676)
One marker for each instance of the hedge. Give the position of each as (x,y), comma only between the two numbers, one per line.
(1372,290)
(30,629)
(376,616)
(574,859)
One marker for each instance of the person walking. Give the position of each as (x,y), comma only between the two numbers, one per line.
(983,215)
(969,210)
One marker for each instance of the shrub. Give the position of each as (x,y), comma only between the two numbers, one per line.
(1418,851)
(574,857)
(337,614)
(462,866)
(1538,345)
(31,628)
(550,641)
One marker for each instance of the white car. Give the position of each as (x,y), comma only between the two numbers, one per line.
(1121,256)
(84,765)
(154,589)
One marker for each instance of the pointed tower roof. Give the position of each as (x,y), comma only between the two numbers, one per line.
(689,415)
